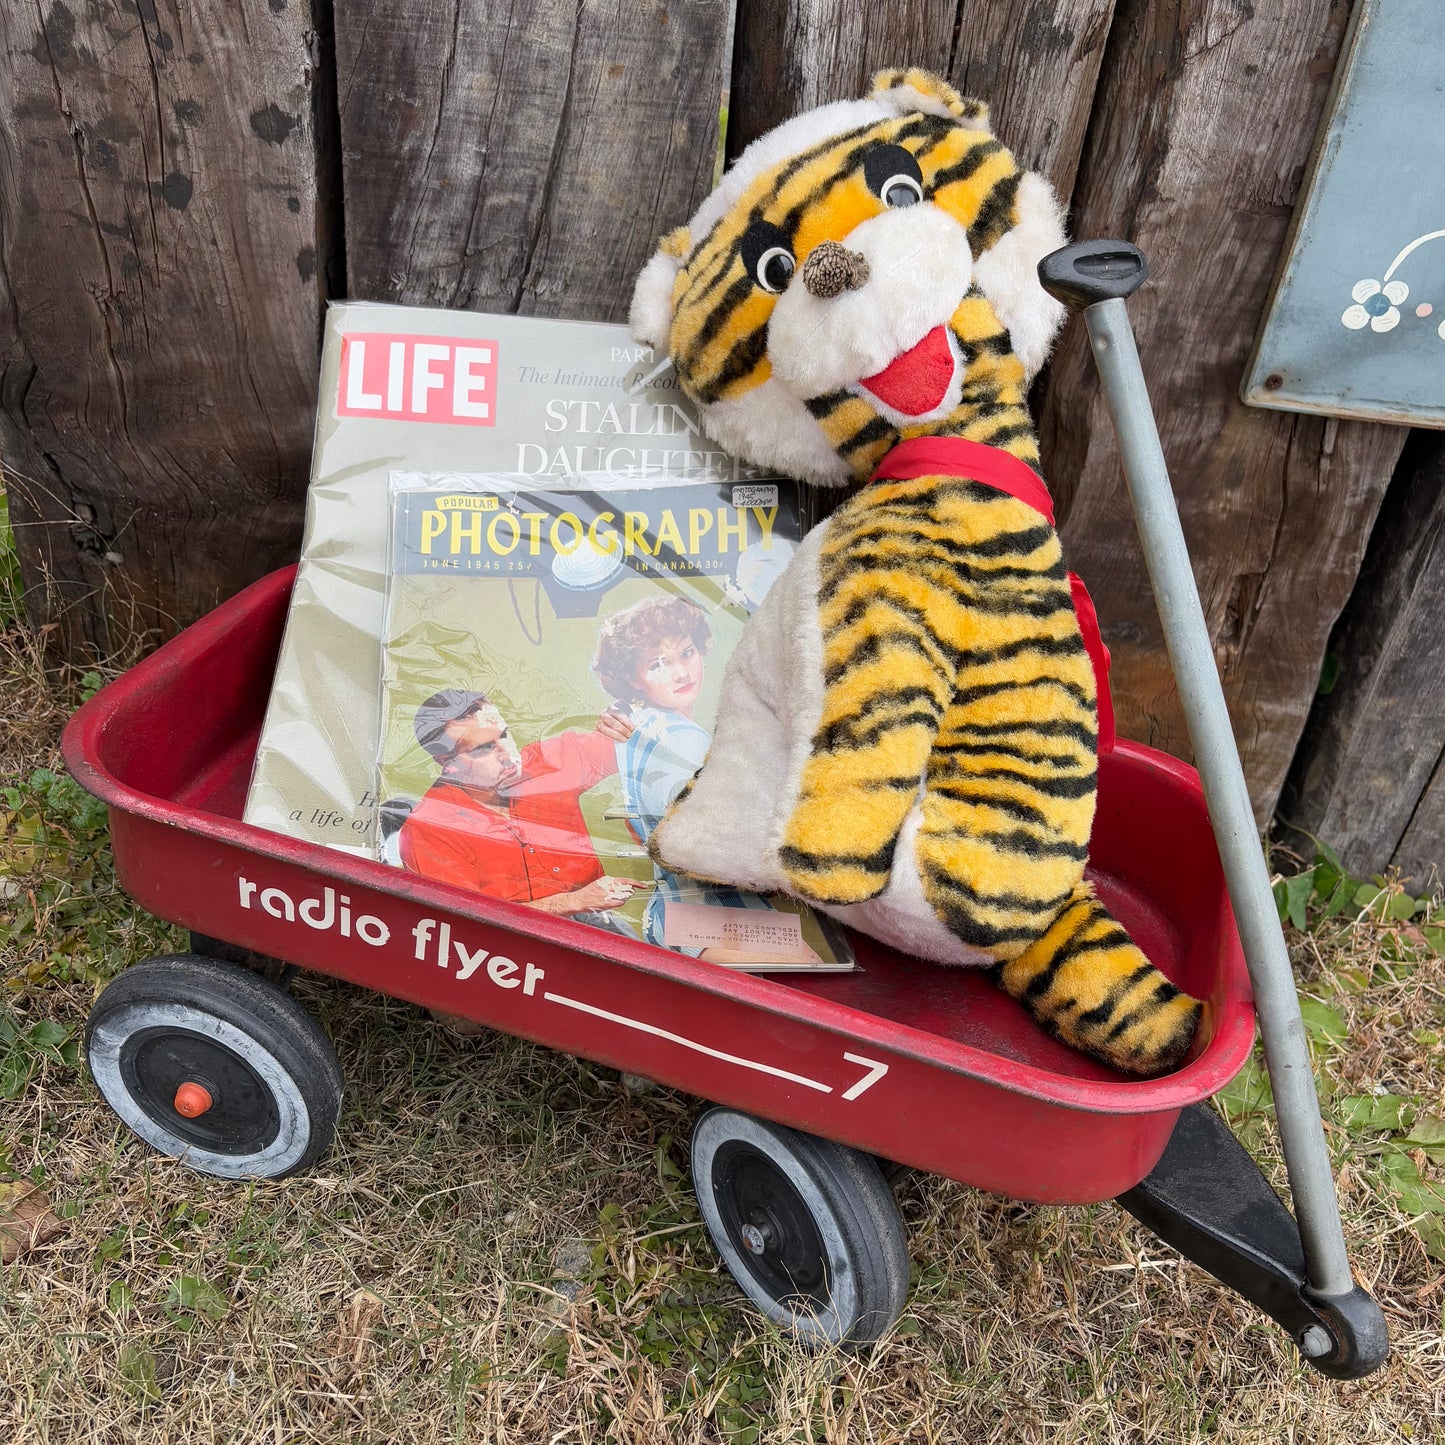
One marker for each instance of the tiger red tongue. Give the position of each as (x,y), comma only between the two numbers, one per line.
(915,382)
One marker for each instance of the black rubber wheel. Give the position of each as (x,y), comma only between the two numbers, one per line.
(808,1229)
(210,1063)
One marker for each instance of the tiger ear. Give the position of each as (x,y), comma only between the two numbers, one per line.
(914,89)
(650,319)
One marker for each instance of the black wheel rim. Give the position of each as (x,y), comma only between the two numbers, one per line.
(771,1229)
(242,1118)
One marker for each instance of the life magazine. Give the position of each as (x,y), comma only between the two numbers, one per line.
(413,387)
(551,666)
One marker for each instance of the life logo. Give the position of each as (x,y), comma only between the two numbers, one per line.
(446,380)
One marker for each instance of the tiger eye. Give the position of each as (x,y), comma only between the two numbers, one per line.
(767,255)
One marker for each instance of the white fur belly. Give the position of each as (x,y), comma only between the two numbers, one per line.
(730,826)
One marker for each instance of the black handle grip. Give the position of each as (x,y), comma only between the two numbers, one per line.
(1092,271)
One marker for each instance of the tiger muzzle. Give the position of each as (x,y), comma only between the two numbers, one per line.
(832,269)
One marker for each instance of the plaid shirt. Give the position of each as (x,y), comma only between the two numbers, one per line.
(655,763)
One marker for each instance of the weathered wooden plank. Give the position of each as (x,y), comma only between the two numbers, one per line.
(790,55)
(1421,854)
(159,303)
(1037,65)
(1369,776)
(1035,62)
(1203,124)
(522,157)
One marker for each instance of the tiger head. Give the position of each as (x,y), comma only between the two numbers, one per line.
(863,274)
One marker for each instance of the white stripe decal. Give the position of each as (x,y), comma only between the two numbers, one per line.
(588,1008)
(875,1072)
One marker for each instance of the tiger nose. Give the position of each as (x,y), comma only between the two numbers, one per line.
(833,269)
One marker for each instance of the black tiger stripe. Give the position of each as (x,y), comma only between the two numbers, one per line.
(1108,1006)
(1071,645)
(973,587)
(1050,787)
(1019,840)
(870,648)
(1113,937)
(825,405)
(977,693)
(1001,544)
(962,554)
(847,735)
(876,430)
(735,295)
(1010,432)
(1067,762)
(796,860)
(741,361)
(1040,603)
(1006,902)
(994,215)
(903,697)
(1161,994)
(967,165)
(856,611)
(959,793)
(968,928)
(1048,728)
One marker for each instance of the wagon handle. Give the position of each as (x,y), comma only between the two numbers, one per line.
(1098,275)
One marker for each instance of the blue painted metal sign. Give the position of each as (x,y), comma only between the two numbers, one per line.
(1356,324)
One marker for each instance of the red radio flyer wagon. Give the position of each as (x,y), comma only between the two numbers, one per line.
(814,1077)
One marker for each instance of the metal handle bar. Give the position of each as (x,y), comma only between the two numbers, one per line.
(1098,275)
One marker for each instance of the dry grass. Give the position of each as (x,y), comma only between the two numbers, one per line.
(502,1247)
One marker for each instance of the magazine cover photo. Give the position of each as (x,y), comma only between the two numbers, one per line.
(552,663)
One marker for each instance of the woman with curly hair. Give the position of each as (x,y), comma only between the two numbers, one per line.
(650,659)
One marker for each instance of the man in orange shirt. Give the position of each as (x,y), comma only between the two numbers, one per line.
(509,823)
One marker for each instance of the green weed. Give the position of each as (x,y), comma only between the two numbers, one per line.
(1391,1136)
(68,918)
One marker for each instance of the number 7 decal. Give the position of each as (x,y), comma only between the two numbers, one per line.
(875,1072)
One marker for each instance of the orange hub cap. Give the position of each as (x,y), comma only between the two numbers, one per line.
(192,1100)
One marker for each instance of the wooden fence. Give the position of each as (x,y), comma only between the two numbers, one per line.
(182,188)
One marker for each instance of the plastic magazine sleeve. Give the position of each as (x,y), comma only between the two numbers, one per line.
(405,387)
(551,661)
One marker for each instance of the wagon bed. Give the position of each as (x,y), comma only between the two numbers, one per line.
(923,1065)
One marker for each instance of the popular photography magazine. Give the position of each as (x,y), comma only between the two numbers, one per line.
(551,666)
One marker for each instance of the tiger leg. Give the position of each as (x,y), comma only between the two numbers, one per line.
(1087,983)
(881,712)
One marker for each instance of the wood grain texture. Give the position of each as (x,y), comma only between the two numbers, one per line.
(1369,777)
(522,157)
(791,55)
(1035,62)
(1205,114)
(159,303)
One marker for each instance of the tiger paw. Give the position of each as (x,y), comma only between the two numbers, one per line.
(1087,983)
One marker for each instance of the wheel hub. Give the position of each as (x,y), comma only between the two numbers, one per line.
(769,1224)
(196,1088)
(755,1239)
(192,1099)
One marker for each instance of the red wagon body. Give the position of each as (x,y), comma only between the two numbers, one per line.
(923,1065)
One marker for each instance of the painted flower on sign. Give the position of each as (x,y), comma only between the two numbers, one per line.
(1377,303)
(1376,306)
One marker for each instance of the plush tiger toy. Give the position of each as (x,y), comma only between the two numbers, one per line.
(908,730)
